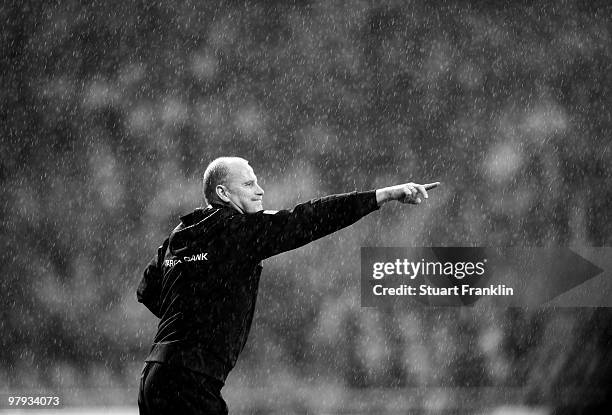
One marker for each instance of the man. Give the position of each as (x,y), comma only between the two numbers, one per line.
(203,283)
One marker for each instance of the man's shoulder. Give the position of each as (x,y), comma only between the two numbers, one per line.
(202,223)
(201,216)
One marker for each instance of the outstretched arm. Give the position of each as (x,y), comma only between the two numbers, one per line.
(265,233)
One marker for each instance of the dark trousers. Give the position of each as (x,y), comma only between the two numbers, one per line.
(167,389)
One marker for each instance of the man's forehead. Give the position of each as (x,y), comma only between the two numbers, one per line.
(240,170)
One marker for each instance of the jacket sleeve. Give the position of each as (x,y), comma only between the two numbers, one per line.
(264,234)
(149,289)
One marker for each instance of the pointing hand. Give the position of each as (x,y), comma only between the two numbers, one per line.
(412,193)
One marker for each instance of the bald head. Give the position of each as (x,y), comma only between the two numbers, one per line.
(231,181)
(216,174)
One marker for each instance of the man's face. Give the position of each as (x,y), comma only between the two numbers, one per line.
(242,188)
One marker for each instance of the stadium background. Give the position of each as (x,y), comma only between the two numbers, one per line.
(111,111)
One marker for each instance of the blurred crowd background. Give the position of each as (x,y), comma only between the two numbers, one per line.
(111,111)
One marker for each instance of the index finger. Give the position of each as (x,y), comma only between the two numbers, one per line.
(431,185)
(422,190)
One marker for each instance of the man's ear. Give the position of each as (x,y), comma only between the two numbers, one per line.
(222,193)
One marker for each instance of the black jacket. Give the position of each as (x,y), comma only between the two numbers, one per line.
(203,282)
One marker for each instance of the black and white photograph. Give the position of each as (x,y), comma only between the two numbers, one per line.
(306,207)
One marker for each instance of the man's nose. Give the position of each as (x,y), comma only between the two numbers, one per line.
(259,190)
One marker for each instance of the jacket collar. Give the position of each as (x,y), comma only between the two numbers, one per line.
(201,213)
(193,217)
